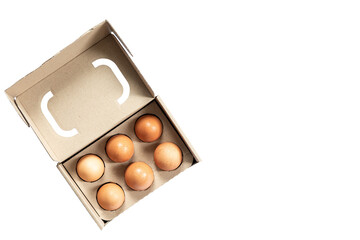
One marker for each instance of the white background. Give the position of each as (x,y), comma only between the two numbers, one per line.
(266,91)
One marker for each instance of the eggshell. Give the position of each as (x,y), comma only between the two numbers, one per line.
(148,128)
(139,176)
(120,148)
(167,156)
(110,196)
(90,168)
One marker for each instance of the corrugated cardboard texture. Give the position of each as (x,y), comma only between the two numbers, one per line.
(114,172)
(85,98)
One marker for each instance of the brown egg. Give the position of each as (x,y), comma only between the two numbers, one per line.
(167,156)
(90,168)
(148,128)
(110,196)
(139,176)
(119,148)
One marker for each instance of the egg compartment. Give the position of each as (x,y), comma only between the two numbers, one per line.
(114,172)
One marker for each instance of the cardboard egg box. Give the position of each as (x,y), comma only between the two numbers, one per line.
(79,98)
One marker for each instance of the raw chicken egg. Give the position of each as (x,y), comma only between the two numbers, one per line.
(110,196)
(139,176)
(119,148)
(90,168)
(148,128)
(167,156)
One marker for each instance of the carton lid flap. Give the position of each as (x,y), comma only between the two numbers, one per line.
(81,93)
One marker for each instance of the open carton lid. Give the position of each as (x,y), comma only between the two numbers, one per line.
(81,93)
